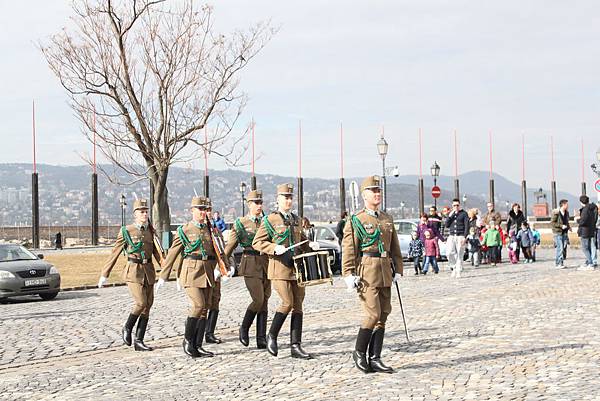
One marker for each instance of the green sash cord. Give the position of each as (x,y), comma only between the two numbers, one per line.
(189,247)
(130,247)
(244,239)
(366,239)
(274,235)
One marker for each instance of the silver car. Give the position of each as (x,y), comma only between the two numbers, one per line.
(404,230)
(23,273)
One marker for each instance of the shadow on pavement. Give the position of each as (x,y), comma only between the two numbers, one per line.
(491,356)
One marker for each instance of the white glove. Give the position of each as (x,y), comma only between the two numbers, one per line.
(314,245)
(351,282)
(178,285)
(279,249)
(158,284)
(102,281)
(231,271)
(396,277)
(217,273)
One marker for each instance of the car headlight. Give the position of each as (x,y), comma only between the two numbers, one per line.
(53,270)
(5,274)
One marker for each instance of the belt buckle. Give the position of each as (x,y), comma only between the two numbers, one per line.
(384,254)
(204,257)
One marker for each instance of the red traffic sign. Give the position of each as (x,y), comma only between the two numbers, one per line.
(436,192)
(597,185)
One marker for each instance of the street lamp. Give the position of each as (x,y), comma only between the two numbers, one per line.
(382,149)
(464,200)
(123,205)
(596,167)
(435,173)
(402,204)
(242,192)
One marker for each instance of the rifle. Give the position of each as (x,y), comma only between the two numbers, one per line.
(353,208)
(157,243)
(218,247)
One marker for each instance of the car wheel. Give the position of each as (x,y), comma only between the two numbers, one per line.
(48,296)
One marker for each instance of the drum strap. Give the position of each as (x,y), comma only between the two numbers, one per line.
(279,238)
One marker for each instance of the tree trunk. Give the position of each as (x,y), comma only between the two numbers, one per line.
(160,207)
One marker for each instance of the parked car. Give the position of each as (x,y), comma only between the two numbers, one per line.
(404,229)
(328,241)
(23,273)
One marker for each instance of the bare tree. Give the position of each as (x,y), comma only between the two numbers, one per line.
(155,75)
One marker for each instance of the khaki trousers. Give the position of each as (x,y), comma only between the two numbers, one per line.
(199,298)
(215,296)
(143,298)
(260,292)
(291,296)
(377,305)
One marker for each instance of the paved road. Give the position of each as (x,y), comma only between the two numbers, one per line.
(520,332)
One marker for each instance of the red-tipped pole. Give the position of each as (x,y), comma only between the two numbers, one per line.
(456,182)
(94,126)
(492,199)
(33,134)
(420,184)
(341,150)
(342,181)
(253,178)
(553,183)
(206,183)
(300,181)
(523,182)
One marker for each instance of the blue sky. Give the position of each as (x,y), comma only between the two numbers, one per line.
(511,67)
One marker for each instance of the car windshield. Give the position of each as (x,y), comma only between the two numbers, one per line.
(324,234)
(404,227)
(10,253)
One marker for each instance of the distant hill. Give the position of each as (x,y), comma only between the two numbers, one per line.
(65,193)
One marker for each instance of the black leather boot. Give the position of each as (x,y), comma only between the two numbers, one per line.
(296,337)
(360,350)
(210,327)
(246,323)
(126,332)
(140,332)
(375,346)
(202,323)
(276,324)
(261,330)
(189,337)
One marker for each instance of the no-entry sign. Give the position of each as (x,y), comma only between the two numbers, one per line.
(436,192)
(597,185)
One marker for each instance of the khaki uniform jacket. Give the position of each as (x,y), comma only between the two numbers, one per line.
(374,272)
(277,270)
(135,272)
(194,273)
(254,266)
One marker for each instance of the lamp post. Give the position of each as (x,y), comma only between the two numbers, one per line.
(435,173)
(402,204)
(596,169)
(243,192)
(123,205)
(382,149)
(464,201)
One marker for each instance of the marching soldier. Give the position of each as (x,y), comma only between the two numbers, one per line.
(138,242)
(253,267)
(215,298)
(278,232)
(371,262)
(194,240)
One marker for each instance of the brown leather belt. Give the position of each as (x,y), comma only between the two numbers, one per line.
(251,252)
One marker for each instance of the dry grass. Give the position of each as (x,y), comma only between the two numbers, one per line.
(548,240)
(84,269)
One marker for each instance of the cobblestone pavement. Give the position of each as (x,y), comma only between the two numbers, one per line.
(514,332)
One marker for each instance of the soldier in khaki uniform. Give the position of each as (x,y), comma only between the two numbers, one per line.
(138,242)
(253,267)
(369,247)
(197,273)
(278,231)
(215,299)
